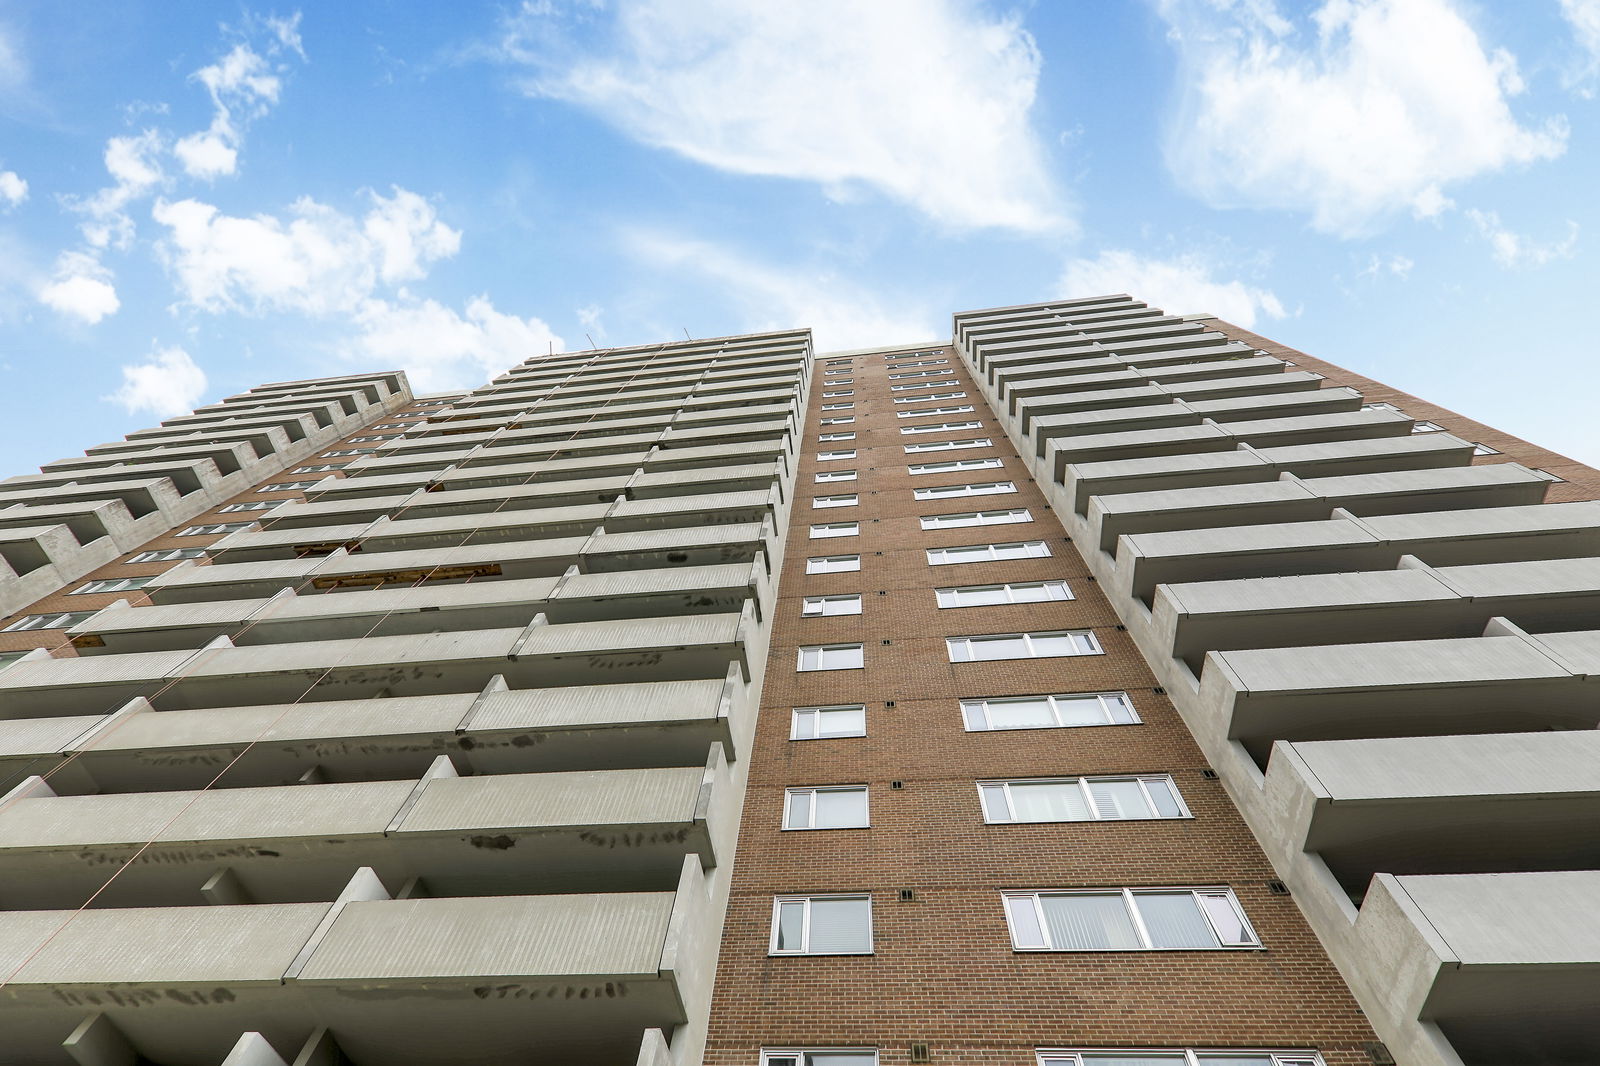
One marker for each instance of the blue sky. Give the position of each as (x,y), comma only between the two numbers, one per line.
(197,198)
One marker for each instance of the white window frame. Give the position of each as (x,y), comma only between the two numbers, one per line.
(840,392)
(364,440)
(916,374)
(827,530)
(949,445)
(951,492)
(969,519)
(962,409)
(932,383)
(835,456)
(1001,788)
(923,362)
(821,651)
(1129,897)
(288,486)
(843,499)
(1056,591)
(111,584)
(805,934)
(1031,549)
(164,555)
(253,505)
(951,466)
(816,564)
(349,451)
(803,720)
(1424,426)
(845,406)
(822,477)
(319,468)
(976,716)
(1030,643)
(1479,448)
(838,420)
(209,529)
(53,620)
(931,396)
(817,606)
(1180,1056)
(828,438)
(810,793)
(943,427)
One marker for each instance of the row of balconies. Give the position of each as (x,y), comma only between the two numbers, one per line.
(1362,657)
(1026,379)
(565,404)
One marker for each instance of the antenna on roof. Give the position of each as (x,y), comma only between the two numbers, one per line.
(590,340)
(686,333)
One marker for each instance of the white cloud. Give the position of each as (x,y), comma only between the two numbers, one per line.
(926,101)
(839,313)
(439,348)
(13,188)
(135,168)
(1182,285)
(243,85)
(1584,18)
(82,289)
(168,384)
(13,64)
(1397,265)
(319,261)
(1512,250)
(1386,104)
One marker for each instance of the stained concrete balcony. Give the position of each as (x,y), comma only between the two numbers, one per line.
(490,471)
(629,725)
(689,436)
(581,831)
(413,982)
(1313,499)
(1490,684)
(228,457)
(287,617)
(1441,538)
(1503,969)
(1450,804)
(1411,603)
(534,656)
(1247,465)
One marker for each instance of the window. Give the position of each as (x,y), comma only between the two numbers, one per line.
(839,420)
(1081,799)
(9,657)
(832,564)
(931,396)
(1547,475)
(213,527)
(826,437)
(945,492)
(984,553)
(841,392)
(1228,1057)
(1124,919)
(821,1057)
(845,406)
(942,427)
(995,595)
(920,362)
(822,476)
(917,374)
(909,386)
(1049,712)
(823,530)
(826,605)
(319,468)
(844,807)
(825,723)
(288,486)
(60,620)
(848,499)
(1380,407)
(162,555)
(975,518)
(831,657)
(952,465)
(399,425)
(254,505)
(822,925)
(949,445)
(1427,427)
(827,457)
(1483,449)
(995,646)
(351,451)
(113,584)
(363,440)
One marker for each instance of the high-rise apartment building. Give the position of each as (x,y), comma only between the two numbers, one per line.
(1102,688)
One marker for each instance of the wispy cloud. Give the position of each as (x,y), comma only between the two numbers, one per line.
(1512,250)
(244,84)
(841,313)
(925,101)
(1583,16)
(1180,285)
(1375,109)
(168,383)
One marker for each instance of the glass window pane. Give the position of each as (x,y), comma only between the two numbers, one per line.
(981,596)
(1020,714)
(791,924)
(1165,797)
(1235,1059)
(842,1058)
(1053,644)
(1025,929)
(799,816)
(1121,1059)
(841,809)
(840,926)
(842,722)
(1174,920)
(1120,709)
(995,808)
(991,648)
(1080,710)
(1225,919)
(1049,801)
(1089,922)
(1119,800)
(805,725)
